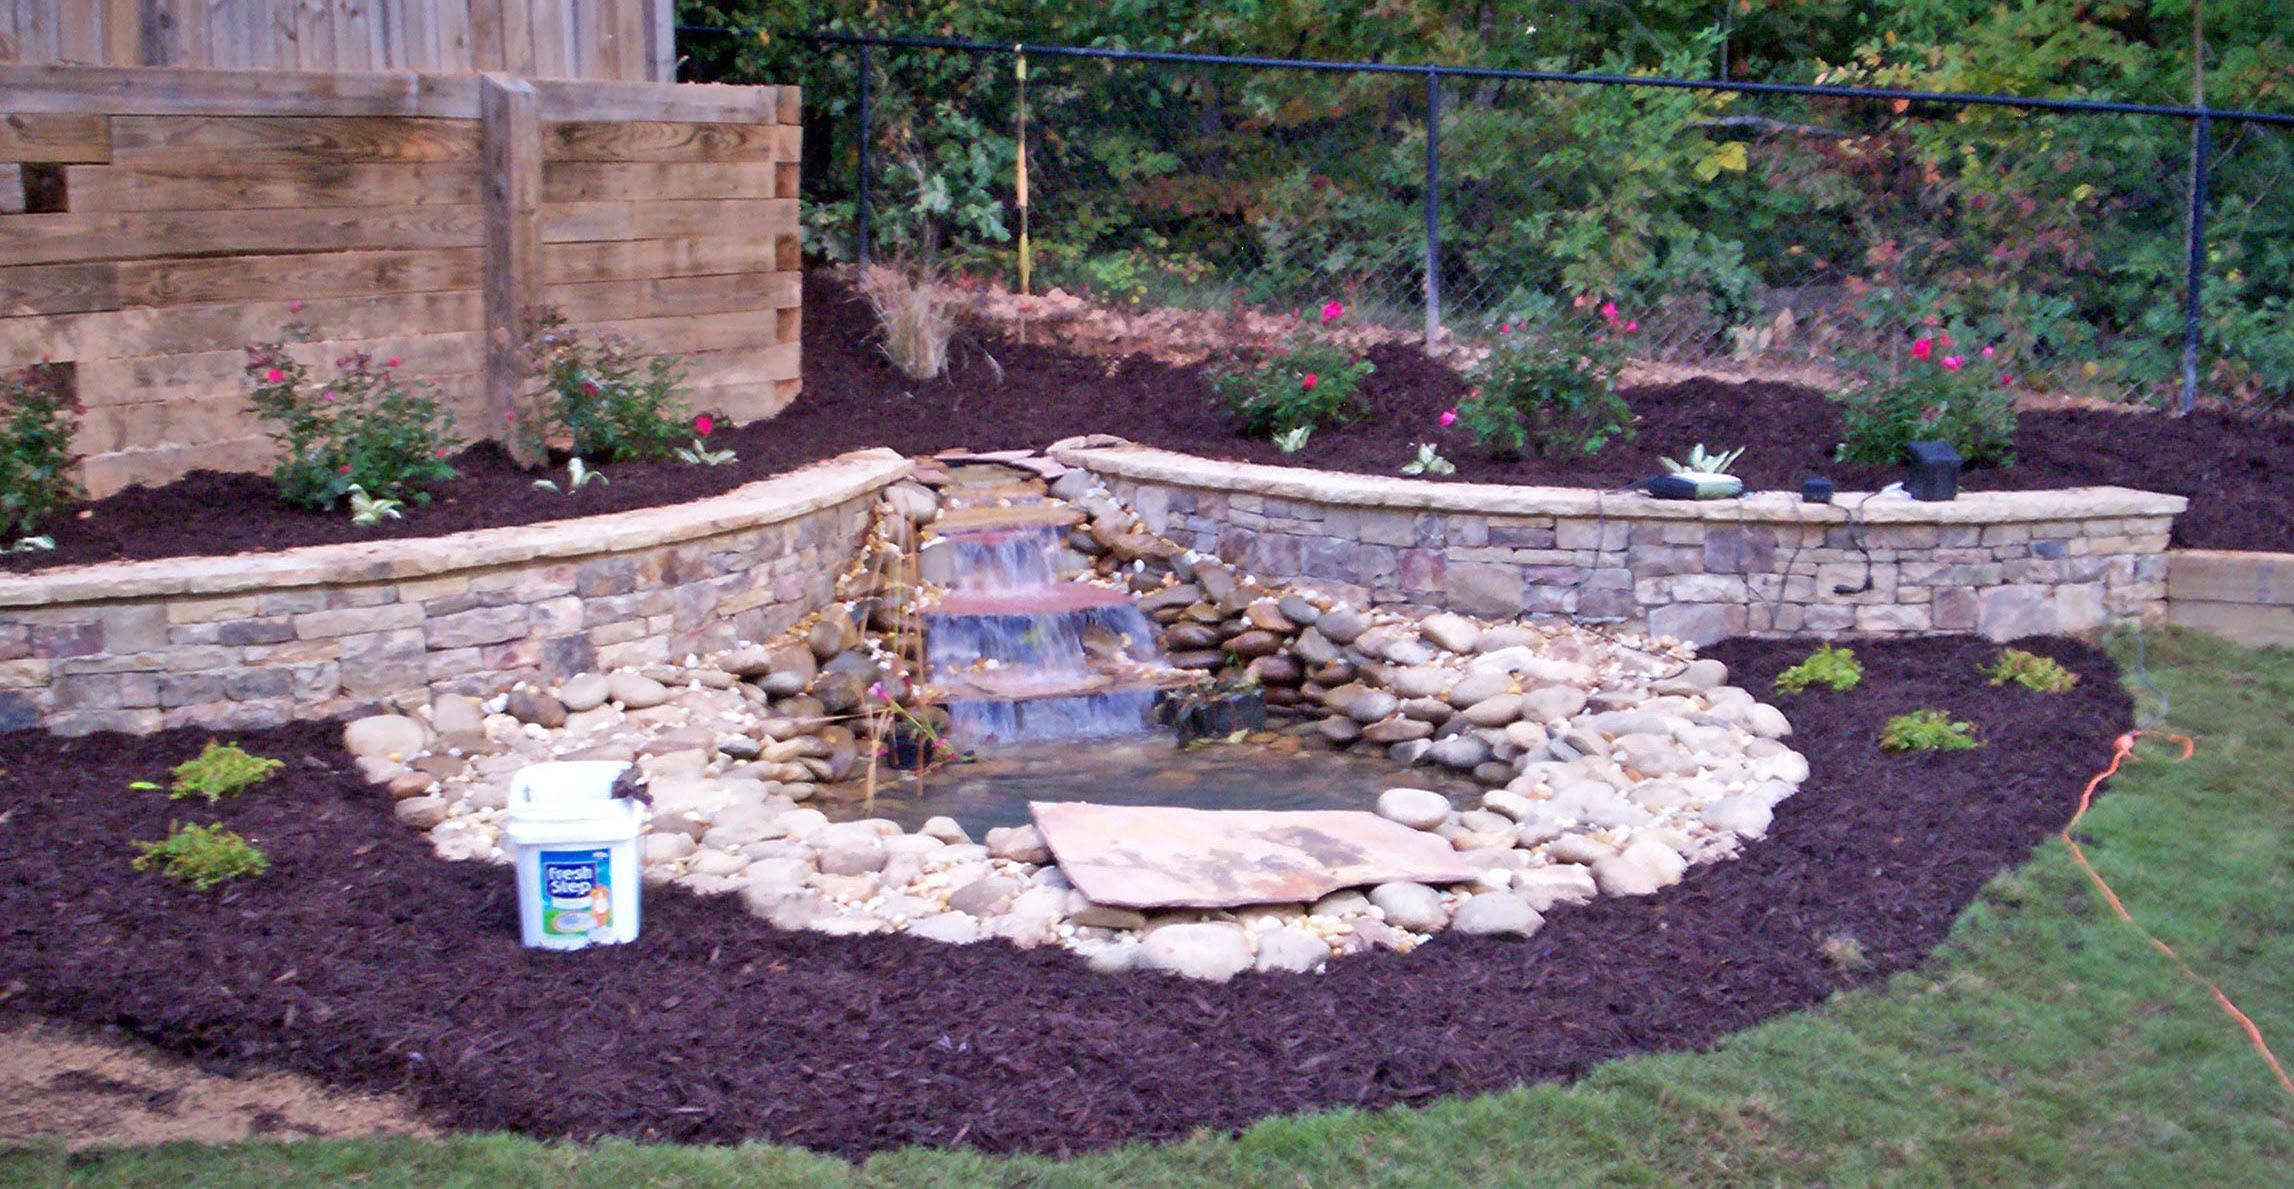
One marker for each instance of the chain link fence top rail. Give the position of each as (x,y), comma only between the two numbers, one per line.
(1766,228)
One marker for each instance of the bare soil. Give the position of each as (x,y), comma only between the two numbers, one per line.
(363,962)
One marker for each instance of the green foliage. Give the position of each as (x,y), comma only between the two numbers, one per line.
(222,770)
(1940,390)
(202,856)
(1307,384)
(2040,674)
(1549,386)
(364,428)
(1927,730)
(602,399)
(1833,668)
(37,417)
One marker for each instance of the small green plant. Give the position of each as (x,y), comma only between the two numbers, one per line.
(37,417)
(1927,730)
(578,475)
(1701,463)
(1309,383)
(202,856)
(367,511)
(1833,668)
(2040,674)
(601,399)
(1291,441)
(1549,386)
(1941,393)
(222,770)
(364,428)
(701,455)
(1845,953)
(1428,462)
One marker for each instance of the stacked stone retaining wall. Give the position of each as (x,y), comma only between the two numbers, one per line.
(2003,564)
(256,640)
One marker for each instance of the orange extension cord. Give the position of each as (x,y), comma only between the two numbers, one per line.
(2121,748)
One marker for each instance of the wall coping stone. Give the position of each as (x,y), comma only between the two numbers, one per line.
(1115,458)
(767,501)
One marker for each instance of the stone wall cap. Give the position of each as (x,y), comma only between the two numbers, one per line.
(766,501)
(1151,465)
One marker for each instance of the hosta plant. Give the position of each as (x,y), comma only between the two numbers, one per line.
(366,511)
(579,474)
(1701,463)
(699,454)
(1291,441)
(1428,462)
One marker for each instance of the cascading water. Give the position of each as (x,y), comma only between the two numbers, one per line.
(1020,656)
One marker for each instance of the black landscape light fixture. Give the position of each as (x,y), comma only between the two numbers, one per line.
(1935,471)
(1816,489)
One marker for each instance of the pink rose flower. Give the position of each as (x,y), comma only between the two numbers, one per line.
(703,424)
(1449,417)
(274,376)
(1986,352)
(390,362)
(1922,348)
(1309,380)
(2005,380)
(346,470)
(1631,325)
(1608,311)
(1505,328)
(1953,363)
(1332,312)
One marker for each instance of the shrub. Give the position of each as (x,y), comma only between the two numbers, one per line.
(1927,730)
(222,770)
(37,417)
(916,312)
(365,428)
(602,399)
(1308,383)
(1835,669)
(1549,386)
(202,856)
(2040,674)
(1942,392)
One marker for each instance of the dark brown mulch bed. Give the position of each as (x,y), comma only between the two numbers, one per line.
(854,399)
(362,959)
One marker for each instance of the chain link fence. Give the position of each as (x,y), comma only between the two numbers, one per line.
(1790,232)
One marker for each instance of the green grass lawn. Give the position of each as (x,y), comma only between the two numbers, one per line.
(2045,1043)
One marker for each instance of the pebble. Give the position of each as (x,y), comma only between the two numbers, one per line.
(1419,809)
(1210,950)
(1412,906)
(1495,913)
(635,691)
(385,736)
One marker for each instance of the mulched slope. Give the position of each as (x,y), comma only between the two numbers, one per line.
(362,959)
(854,399)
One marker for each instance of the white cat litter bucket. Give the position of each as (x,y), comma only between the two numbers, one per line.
(575,846)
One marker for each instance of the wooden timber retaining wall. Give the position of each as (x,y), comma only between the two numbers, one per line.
(628,40)
(155,222)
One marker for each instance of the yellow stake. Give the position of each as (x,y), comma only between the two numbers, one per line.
(1021,186)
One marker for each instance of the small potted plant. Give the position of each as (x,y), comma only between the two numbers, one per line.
(1702,476)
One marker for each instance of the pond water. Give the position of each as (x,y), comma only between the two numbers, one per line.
(1286,772)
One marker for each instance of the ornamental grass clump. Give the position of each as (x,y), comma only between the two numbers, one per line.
(601,399)
(365,428)
(1549,385)
(2031,671)
(222,770)
(1306,384)
(1835,669)
(202,856)
(916,314)
(37,416)
(1941,392)
(1927,730)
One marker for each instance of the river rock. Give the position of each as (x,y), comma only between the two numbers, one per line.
(1397,730)
(1419,809)
(1552,703)
(1255,643)
(584,691)
(1297,609)
(1579,848)
(852,856)
(1342,625)
(832,633)
(1560,883)
(661,847)
(749,661)
(1451,633)
(422,813)
(385,736)
(1747,816)
(951,928)
(1421,681)
(1020,844)
(1766,721)
(945,829)
(1339,729)
(1494,712)
(458,714)
(1212,950)
(1412,906)
(839,693)
(527,704)
(1644,866)
(1462,751)
(635,691)
(1497,913)
(1369,706)
(987,896)
(1704,673)
(1084,912)
(1289,949)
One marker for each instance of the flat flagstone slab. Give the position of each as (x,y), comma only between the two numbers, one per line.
(1156,857)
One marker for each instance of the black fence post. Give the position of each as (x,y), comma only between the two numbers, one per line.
(860,190)
(2201,145)
(1433,206)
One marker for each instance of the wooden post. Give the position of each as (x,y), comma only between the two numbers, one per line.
(510,123)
